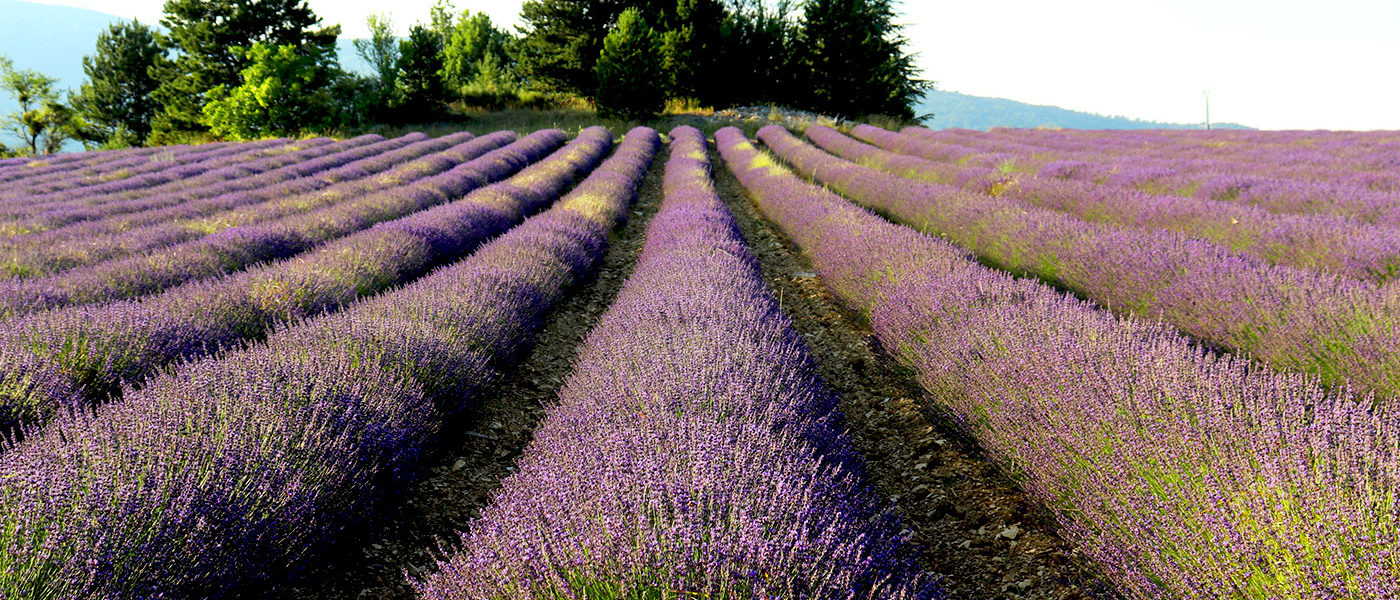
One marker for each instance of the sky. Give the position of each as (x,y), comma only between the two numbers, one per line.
(1272,64)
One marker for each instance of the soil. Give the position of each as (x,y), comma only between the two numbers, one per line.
(978,530)
(466,468)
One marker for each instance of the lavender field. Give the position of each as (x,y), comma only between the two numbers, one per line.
(830,364)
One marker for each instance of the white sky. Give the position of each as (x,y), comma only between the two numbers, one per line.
(1276,64)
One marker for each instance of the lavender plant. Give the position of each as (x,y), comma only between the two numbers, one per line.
(1183,473)
(1344,331)
(693,452)
(101,348)
(231,249)
(237,472)
(1324,242)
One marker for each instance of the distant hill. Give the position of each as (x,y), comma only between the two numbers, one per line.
(951,109)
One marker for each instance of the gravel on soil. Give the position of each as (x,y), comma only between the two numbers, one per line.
(978,529)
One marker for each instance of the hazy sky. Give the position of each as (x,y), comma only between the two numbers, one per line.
(1277,64)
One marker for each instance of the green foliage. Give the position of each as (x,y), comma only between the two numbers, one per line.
(420,86)
(381,51)
(115,101)
(285,90)
(204,35)
(42,122)
(476,55)
(854,60)
(629,70)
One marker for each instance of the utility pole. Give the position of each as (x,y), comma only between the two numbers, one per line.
(1207,95)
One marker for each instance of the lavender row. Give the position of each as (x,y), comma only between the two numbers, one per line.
(238,173)
(1276,184)
(234,473)
(409,187)
(85,354)
(152,173)
(163,188)
(1337,328)
(694,452)
(31,168)
(1327,243)
(1182,473)
(177,218)
(44,169)
(1361,161)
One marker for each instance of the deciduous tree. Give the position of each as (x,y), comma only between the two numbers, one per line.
(204,34)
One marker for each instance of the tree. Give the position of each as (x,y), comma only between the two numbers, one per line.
(629,71)
(116,100)
(691,48)
(42,121)
(854,60)
(420,73)
(476,53)
(204,34)
(381,50)
(561,41)
(285,90)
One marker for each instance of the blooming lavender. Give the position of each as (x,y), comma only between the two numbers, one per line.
(165,220)
(1348,174)
(1183,473)
(693,452)
(231,249)
(1340,329)
(99,348)
(152,175)
(235,472)
(1325,242)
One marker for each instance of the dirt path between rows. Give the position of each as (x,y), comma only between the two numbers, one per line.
(979,530)
(465,470)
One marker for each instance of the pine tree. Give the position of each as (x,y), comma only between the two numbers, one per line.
(115,101)
(204,35)
(854,60)
(421,92)
(630,78)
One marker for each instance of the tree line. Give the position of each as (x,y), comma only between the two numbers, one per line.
(244,69)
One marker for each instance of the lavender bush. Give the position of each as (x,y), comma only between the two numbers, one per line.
(1183,473)
(1342,330)
(169,219)
(1324,242)
(100,348)
(231,249)
(694,452)
(235,472)
(237,174)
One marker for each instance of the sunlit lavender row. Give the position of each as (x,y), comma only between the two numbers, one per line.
(1351,174)
(165,221)
(1180,472)
(236,175)
(1337,328)
(277,230)
(1324,242)
(693,452)
(196,161)
(84,354)
(240,471)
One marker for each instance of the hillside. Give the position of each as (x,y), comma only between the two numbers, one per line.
(955,110)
